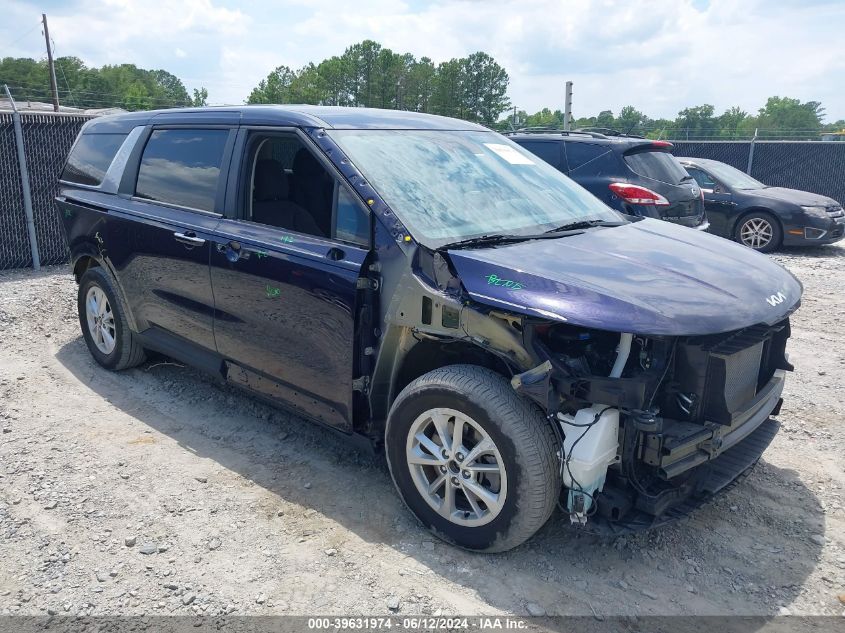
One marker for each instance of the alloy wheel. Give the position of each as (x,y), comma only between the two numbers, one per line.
(456,467)
(756,233)
(100,319)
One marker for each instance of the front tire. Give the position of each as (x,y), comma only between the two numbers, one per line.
(474,462)
(759,230)
(102,317)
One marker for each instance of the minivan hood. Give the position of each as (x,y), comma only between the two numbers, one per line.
(648,277)
(794,196)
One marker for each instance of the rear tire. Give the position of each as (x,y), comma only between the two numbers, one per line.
(102,317)
(501,466)
(760,231)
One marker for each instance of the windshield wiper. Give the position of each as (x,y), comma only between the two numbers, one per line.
(486,240)
(583,224)
(573,228)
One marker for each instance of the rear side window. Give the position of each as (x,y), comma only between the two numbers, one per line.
(660,166)
(704,180)
(182,167)
(90,158)
(548,151)
(581,154)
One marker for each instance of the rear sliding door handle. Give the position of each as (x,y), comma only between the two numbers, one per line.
(190,238)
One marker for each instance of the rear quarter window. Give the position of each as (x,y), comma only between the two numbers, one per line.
(90,158)
(590,158)
(579,155)
(660,166)
(182,167)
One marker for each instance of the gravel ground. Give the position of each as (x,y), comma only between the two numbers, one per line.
(157,491)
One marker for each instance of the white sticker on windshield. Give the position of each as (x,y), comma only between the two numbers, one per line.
(509,154)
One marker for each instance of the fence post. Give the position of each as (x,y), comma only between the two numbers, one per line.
(27,194)
(751,153)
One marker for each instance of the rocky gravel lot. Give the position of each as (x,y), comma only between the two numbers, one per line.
(157,491)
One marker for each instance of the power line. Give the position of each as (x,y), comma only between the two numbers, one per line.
(64,76)
(15,41)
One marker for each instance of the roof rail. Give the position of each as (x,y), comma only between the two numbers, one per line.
(608,131)
(553,130)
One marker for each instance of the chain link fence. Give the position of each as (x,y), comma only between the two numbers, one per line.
(47,139)
(810,166)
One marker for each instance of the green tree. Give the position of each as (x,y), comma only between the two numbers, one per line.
(630,120)
(368,74)
(786,117)
(200,98)
(275,88)
(419,85)
(123,85)
(697,122)
(448,97)
(730,122)
(485,87)
(605,119)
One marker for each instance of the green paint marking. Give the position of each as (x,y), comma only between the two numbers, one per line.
(272,292)
(494,280)
(286,239)
(68,213)
(260,254)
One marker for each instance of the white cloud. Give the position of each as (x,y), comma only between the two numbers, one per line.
(659,55)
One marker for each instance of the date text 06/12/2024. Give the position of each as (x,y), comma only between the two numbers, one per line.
(421,623)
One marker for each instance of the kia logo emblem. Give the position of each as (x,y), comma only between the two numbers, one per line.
(776,299)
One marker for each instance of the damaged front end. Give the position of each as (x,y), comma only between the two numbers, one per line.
(652,426)
(649,425)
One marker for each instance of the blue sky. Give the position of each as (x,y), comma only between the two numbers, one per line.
(658,55)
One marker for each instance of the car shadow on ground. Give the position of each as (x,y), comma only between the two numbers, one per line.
(743,541)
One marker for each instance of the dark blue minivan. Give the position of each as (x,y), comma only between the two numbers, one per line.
(429,287)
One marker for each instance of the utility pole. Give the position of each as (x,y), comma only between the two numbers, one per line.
(514,117)
(567,107)
(53,87)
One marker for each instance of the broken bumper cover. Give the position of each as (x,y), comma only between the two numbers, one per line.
(682,446)
(710,459)
(718,475)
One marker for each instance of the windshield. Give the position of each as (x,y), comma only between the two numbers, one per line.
(448,186)
(660,166)
(732,177)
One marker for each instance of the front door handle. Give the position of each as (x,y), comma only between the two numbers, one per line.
(190,238)
(335,254)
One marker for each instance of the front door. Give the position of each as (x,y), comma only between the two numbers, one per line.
(718,201)
(285,278)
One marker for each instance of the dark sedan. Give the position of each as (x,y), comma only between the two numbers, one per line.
(761,217)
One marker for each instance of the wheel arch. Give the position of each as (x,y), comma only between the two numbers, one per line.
(82,263)
(87,257)
(413,357)
(750,211)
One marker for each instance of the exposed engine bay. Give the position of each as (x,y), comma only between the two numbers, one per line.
(650,425)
